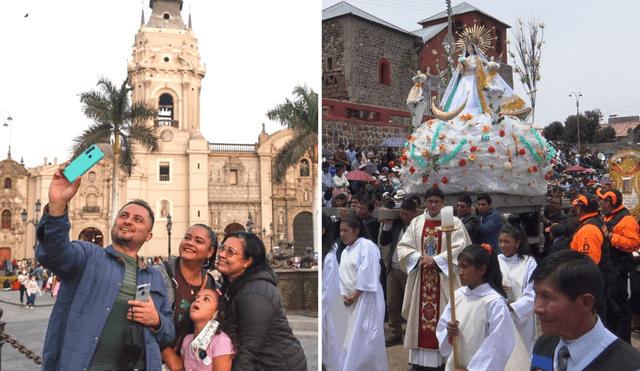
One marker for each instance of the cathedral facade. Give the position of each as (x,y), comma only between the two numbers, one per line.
(226,186)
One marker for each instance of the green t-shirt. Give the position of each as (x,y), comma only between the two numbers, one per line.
(114,351)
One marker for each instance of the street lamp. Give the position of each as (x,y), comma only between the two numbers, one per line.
(8,121)
(33,221)
(250,224)
(271,227)
(577,113)
(169,225)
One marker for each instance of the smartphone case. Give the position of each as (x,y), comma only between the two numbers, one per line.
(83,163)
(142,292)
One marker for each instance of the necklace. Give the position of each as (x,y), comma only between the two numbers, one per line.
(191,287)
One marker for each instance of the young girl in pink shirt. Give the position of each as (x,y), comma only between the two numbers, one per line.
(212,345)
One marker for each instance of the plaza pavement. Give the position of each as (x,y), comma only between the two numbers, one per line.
(29,327)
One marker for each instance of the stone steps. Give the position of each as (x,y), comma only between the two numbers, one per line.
(303,326)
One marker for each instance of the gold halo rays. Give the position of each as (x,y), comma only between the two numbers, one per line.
(476,35)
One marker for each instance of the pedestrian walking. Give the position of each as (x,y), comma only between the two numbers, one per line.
(32,288)
(22,279)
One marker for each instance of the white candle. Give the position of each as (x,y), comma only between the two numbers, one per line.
(446,216)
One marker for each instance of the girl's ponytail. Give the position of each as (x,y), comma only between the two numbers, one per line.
(479,255)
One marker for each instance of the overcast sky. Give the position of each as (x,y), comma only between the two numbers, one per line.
(255,55)
(591,48)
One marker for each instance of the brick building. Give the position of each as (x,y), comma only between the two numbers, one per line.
(367,66)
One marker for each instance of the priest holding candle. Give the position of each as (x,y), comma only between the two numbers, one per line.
(422,253)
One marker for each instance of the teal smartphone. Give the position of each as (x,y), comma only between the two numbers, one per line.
(83,163)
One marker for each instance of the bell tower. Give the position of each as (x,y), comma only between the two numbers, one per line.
(167,71)
(166,68)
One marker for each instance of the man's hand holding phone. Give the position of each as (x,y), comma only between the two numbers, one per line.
(67,179)
(61,191)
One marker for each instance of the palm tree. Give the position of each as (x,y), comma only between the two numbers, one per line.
(118,122)
(300,115)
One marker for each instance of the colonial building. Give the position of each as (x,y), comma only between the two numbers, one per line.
(368,63)
(226,186)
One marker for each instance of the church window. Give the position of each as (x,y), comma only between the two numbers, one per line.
(7,183)
(164,171)
(459,26)
(384,72)
(92,204)
(233,177)
(329,63)
(6,219)
(166,16)
(304,168)
(165,111)
(498,41)
(166,59)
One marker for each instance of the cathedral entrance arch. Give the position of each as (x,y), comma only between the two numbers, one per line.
(92,235)
(233,227)
(302,232)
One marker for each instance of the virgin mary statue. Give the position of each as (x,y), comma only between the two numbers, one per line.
(476,81)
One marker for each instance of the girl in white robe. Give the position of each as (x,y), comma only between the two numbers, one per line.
(483,329)
(517,266)
(364,347)
(334,316)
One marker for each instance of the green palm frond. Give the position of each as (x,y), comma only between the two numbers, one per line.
(126,159)
(300,115)
(114,116)
(299,146)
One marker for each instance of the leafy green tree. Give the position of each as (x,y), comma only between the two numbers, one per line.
(589,124)
(553,131)
(300,115)
(118,122)
(605,135)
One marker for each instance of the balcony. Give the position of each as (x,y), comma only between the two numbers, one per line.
(91,209)
(227,147)
(165,122)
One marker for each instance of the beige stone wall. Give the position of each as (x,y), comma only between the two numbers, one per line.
(200,187)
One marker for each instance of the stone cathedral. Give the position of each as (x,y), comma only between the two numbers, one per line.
(227,186)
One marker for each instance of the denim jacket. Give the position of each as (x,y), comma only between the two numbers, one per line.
(91,279)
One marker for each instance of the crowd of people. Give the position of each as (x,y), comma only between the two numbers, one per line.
(115,312)
(396,271)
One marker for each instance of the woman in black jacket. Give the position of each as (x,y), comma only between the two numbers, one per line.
(266,340)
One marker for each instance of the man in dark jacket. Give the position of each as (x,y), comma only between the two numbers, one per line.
(364,212)
(396,279)
(557,233)
(490,221)
(569,288)
(553,215)
(471,221)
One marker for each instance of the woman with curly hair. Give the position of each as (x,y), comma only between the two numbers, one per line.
(213,343)
(266,339)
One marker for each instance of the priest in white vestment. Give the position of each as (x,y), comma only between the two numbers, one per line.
(423,256)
